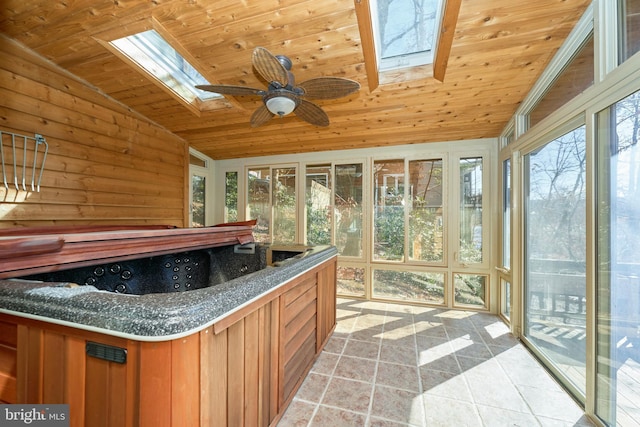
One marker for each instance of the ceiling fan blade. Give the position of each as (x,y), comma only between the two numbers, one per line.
(261,116)
(310,112)
(231,90)
(269,67)
(329,87)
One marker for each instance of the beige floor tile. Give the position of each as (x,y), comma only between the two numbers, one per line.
(344,327)
(400,340)
(554,404)
(445,384)
(431,329)
(427,342)
(468,363)
(490,386)
(364,349)
(325,363)
(443,412)
(334,417)
(335,345)
(373,334)
(447,363)
(582,422)
(431,351)
(355,368)
(313,387)
(398,354)
(397,405)
(492,416)
(369,321)
(398,376)
(464,334)
(297,414)
(379,422)
(467,348)
(348,394)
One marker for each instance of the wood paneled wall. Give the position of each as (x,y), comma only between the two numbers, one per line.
(106,164)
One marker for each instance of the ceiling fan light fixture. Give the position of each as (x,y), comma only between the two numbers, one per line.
(280,105)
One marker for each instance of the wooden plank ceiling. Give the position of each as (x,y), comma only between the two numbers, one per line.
(499,49)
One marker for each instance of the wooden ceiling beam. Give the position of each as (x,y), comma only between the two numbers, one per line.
(445,40)
(365,26)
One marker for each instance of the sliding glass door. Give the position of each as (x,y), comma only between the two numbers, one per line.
(555,256)
(618,263)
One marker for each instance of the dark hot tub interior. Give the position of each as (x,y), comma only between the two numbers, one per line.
(179,272)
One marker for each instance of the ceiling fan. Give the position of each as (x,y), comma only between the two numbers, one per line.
(283,96)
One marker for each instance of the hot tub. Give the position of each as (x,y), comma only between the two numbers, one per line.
(180,271)
(114,324)
(149,283)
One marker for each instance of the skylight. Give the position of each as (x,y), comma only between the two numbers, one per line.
(405,32)
(151,52)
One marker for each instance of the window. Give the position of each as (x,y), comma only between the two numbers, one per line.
(505,300)
(405,32)
(271,195)
(318,204)
(426,222)
(629,24)
(284,204)
(618,262)
(161,61)
(197,161)
(577,76)
(555,255)
(231,196)
(470,290)
(348,209)
(259,202)
(198,201)
(388,239)
(350,280)
(470,210)
(409,285)
(198,185)
(410,232)
(504,270)
(400,235)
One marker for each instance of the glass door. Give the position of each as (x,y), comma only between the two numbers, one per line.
(618,264)
(555,256)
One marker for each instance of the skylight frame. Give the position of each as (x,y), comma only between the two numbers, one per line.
(405,60)
(153,54)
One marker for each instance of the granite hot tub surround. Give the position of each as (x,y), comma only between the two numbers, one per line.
(161,326)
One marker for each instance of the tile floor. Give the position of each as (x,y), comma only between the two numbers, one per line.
(400,365)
